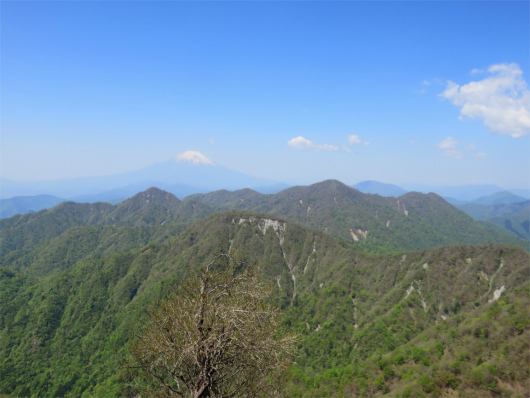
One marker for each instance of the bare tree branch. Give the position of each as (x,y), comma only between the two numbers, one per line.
(214,337)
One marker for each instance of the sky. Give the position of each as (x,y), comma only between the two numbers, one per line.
(399,92)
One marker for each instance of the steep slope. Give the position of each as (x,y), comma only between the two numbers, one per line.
(418,313)
(347,306)
(370,222)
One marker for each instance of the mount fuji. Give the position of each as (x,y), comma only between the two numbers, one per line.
(188,173)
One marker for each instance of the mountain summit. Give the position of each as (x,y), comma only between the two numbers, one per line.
(194,157)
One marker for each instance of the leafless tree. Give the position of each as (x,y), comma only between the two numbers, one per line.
(216,336)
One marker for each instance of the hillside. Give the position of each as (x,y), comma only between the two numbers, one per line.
(353,311)
(31,235)
(484,212)
(370,222)
(512,217)
(517,222)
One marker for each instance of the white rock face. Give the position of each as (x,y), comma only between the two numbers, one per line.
(309,257)
(410,289)
(193,157)
(483,275)
(277,226)
(363,233)
(497,294)
(418,289)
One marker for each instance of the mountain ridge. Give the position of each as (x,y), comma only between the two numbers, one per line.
(370,221)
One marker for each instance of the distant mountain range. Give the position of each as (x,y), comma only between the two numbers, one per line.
(504,209)
(27,204)
(188,173)
(370,222)
(192,172)
(464,193)
(379,188)
(502,197)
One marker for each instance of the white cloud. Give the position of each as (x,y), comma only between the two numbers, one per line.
(211,141)
(448,143)
(502,100)
(302,143)
(424,83)
(354,139)
(454,153)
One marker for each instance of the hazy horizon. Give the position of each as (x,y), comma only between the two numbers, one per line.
(403,93)
(404,185)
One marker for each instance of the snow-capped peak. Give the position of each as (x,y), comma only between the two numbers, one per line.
(193,157)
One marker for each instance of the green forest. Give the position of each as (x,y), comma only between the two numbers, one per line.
(425,302)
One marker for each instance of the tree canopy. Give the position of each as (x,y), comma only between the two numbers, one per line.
(216,336)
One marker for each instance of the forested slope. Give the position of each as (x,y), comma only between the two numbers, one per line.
(368,323)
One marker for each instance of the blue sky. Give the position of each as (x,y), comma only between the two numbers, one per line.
(399,92)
